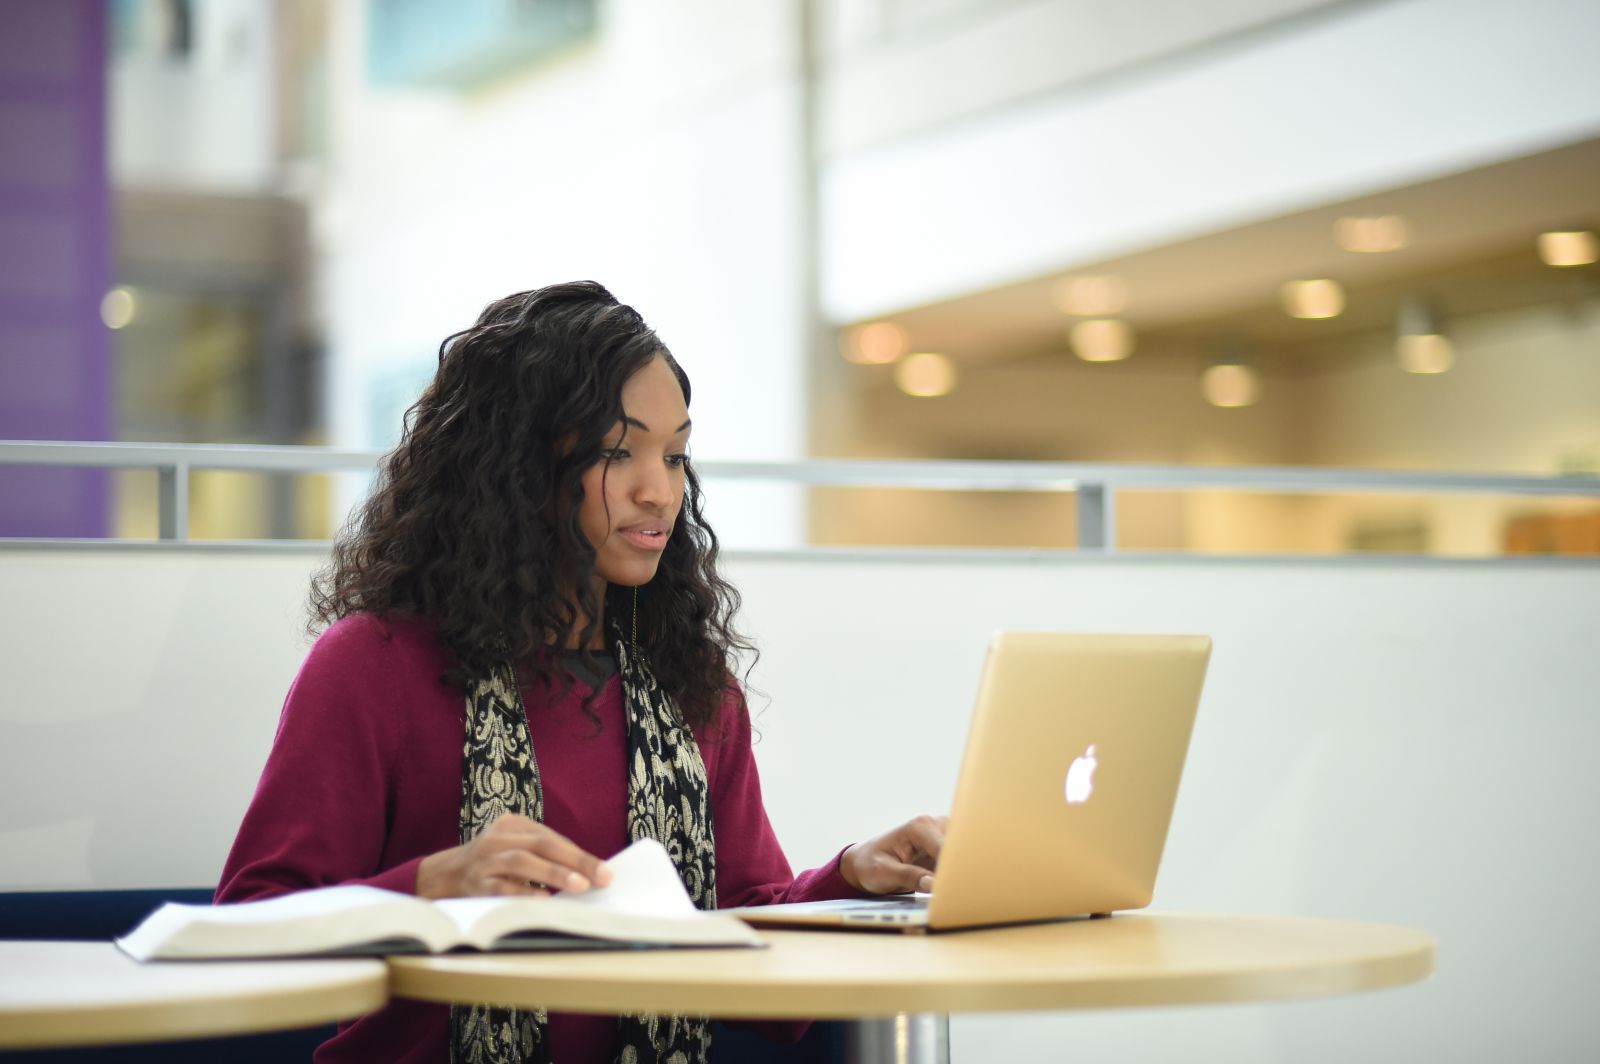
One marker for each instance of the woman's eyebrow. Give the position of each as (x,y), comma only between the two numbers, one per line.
(641,426)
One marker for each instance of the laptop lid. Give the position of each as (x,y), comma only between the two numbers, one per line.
(1069,778)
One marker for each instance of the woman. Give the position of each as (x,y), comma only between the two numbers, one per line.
(525,665)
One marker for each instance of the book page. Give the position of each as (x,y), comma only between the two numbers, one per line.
(645,902)
(305,922)
(316,902)
(644,883)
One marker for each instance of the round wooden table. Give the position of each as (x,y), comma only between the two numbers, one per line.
(90,993)
(1134,959)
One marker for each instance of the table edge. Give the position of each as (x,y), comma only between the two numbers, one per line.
(227,1014)
(411,978)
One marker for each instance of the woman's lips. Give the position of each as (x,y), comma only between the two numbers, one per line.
(646,537)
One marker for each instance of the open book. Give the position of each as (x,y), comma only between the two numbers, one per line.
(644,905)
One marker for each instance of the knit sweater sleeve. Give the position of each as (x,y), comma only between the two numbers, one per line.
(751,866)
(325,796)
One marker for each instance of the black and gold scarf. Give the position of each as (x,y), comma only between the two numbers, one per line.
(668,800)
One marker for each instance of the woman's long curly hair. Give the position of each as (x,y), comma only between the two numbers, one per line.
(474,523)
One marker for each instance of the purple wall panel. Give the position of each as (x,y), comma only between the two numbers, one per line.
(55,258)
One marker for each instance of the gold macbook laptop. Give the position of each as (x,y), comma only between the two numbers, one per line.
(1066,788)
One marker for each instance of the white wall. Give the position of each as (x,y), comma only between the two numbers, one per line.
(660,158)
(893,68)
(1402,742)
(964,145)
(1372,96)
(205,122)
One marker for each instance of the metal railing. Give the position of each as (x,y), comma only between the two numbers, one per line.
(1094,485)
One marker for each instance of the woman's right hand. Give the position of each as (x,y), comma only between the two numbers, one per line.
(514,855)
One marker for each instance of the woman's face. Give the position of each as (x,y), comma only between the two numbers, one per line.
(631,497)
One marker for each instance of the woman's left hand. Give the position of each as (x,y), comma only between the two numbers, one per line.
(897,861)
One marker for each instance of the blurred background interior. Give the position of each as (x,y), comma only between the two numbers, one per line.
(1327,233)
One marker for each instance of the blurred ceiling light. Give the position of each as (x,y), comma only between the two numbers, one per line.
(1572,248)
(1231,380)
(1092,297)
(1422,346)
(1372,234)
(1101,339)
(1320,298)
(1426,353)
(876,344)
(117,308)
(925,374)
(1231,384)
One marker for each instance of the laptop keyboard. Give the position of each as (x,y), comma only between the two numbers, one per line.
(895,904)
(898,903)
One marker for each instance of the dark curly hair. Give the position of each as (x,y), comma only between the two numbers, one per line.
(474,523)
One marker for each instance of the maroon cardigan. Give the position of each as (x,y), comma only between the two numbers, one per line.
(364,780)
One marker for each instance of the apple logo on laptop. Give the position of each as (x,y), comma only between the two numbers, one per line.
(1080,777)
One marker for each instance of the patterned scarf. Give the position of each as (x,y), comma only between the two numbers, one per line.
(668,800)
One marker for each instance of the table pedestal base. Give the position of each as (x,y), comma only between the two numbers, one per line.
(904,1038)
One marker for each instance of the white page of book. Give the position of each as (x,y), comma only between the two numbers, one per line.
(644,883)
(298,922)
(300,904)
